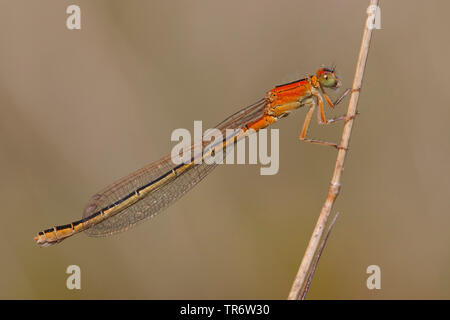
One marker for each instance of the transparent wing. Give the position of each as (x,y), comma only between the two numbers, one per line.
(166,194)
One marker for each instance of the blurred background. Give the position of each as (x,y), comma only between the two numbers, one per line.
(82,108)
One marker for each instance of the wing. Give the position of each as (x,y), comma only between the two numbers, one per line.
(164,195)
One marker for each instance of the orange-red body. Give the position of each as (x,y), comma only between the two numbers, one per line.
(290,92)
(282,99)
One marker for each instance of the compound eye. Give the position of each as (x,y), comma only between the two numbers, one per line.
(325,77)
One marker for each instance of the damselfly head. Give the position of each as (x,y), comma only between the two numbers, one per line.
(328,78)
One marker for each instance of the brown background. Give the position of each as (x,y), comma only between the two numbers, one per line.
(79,109)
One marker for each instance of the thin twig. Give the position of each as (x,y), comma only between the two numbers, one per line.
(305,288)
(335,184)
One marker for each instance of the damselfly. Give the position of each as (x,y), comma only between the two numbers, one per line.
(147,191)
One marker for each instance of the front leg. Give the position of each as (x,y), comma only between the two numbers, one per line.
(321,114)
(328,100)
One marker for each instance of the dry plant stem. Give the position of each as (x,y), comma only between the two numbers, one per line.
(339,166)
(305,288)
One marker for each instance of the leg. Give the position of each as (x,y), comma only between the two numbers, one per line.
(321,117)
(333,104)
(306,126)
(323,143)
(346,92)
(344,117)
(307,121)
(320,113)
